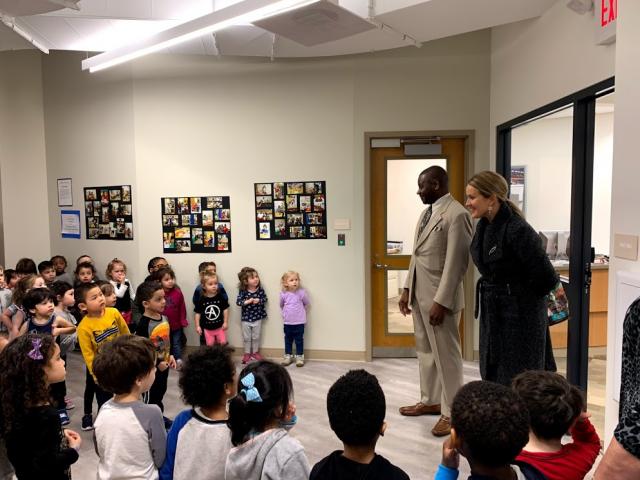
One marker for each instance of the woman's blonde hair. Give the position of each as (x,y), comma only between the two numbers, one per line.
(112,264)
(285,277)
(491,183)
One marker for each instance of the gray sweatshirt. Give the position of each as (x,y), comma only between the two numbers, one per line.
(272,455)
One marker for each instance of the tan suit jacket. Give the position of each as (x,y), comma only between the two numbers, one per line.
(440,258)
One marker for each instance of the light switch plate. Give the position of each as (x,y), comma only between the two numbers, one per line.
(342,224)
(625,246)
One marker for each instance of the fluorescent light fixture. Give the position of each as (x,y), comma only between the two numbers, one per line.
(247,11)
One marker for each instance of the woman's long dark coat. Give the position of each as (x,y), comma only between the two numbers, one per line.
(516,276)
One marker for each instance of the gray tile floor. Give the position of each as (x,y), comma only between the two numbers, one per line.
(408,442)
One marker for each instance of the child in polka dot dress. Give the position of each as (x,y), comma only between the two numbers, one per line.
(252,299)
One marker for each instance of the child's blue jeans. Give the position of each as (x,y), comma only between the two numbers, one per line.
(294,333)
(176,343)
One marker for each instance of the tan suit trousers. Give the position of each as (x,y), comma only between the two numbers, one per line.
(439,357)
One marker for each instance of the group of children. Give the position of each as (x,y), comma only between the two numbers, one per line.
(237,425)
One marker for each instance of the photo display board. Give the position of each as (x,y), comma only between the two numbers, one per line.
(196,224)
(291,210)
(108,213)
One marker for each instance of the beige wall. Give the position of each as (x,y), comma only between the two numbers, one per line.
(626,169)
(176,125)
(538,61)
(90,138)
(23,169)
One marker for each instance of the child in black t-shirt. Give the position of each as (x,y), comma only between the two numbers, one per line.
(155,326)
(212,312)
(356,408)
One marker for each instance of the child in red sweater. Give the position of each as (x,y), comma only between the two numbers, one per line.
(175,309)
(556,407)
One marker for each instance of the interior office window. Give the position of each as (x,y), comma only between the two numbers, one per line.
(541,159)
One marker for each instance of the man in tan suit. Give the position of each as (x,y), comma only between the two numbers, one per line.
(434,294)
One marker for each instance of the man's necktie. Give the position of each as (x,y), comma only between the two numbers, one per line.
(425,220)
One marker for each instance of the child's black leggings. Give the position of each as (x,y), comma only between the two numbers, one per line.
(158,389)
(91,389)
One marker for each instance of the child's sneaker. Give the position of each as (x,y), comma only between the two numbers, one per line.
(87,422)
(246,358)
(287,360)
(64,417)
(257,357)
(299,360)
(69,403)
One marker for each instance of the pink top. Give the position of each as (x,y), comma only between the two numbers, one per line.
(175,309)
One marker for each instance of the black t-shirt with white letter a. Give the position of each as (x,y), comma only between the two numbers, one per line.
(211,311)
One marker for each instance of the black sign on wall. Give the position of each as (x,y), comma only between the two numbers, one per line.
(291,210)
(196,224)
(108,213)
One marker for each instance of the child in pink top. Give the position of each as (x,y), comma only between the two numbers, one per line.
(175,309)
(293,302)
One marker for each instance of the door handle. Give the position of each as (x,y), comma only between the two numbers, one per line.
(383,266)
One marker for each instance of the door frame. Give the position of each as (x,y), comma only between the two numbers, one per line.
(469,162)
(583,103)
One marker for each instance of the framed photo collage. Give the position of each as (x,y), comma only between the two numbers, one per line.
(196,224)
(291,210)
(108,213)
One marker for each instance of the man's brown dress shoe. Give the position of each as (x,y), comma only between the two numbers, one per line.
(442,428)
(420,409)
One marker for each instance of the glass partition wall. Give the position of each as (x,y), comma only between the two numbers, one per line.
(557,160)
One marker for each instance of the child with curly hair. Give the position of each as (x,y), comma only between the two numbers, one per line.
(37,446)
(199,440)
(489,427)
(356,408)
(252,298)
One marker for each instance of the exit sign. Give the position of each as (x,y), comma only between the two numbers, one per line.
(606,17)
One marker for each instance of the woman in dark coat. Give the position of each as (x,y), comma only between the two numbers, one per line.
(516,277)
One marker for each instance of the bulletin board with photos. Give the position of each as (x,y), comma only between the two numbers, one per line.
(196,224)
(108,213)
(291,210)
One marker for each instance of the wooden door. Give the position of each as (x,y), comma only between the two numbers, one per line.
(395,208)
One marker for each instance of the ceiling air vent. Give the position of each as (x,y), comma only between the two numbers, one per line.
(317,23)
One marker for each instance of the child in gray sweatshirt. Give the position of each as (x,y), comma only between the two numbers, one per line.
(259,418)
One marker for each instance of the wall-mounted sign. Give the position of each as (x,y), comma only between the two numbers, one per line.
(196,224)
(108,213)
(291,210)
(606,16)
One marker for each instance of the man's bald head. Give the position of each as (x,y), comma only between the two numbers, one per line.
(437,174)
(433,183)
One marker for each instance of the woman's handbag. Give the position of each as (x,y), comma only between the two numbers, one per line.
(557,305)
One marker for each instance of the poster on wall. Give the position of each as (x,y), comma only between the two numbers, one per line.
(108,213)
(291,210)
(516,190)
(196,224)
